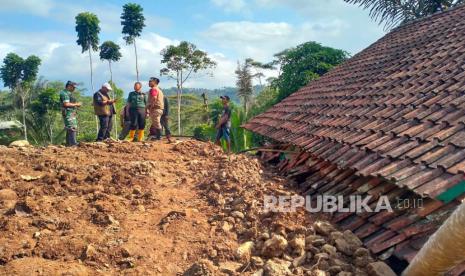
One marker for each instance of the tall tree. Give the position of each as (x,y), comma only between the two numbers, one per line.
(132,20)
(244,84)
(109,51)
(304,63)
(19,74)
(87,28)
(395,12)
(259,67)
(181,62)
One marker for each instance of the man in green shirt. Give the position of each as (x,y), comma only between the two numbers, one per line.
(137,101)
(68,110)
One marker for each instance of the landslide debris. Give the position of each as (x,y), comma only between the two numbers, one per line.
(158,209)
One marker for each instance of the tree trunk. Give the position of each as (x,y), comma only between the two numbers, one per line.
(111,73)
(91,71)
(92,83)
(178,99)
(115,125)
(137,65)
(23,107)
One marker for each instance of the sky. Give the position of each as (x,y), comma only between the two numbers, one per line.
(228,30)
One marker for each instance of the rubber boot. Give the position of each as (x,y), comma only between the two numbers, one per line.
(168,137)
(140,135)
(158,134)
(132,133)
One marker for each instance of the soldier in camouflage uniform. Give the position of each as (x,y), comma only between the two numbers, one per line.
(68,110)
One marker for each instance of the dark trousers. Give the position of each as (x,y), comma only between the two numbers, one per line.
(106,124)
(125,131)
(137,118)
(71,137)
(165,125)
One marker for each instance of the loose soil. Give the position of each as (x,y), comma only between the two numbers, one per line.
(153,208)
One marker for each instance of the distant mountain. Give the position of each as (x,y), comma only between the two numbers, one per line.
(212,93)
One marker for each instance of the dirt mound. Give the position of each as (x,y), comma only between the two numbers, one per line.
(155,209)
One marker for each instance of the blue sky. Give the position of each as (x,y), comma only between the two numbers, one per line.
(229,30)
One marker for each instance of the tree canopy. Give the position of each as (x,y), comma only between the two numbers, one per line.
(87,28)
(395,12)
(304,63)
(16,70)
(110,51)
(133,21)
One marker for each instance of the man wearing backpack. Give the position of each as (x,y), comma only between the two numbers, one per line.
(104,108)
(155,107)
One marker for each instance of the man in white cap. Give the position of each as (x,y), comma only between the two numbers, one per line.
(105,109)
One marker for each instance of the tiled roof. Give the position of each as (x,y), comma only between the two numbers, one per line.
(396,110)
(400,233)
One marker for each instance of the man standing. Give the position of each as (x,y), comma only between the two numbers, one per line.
(155,107)
(68,110)
(137,101)
(164,120)
(224,124)
(104,108)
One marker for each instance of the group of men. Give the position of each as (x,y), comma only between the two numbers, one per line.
(138,108)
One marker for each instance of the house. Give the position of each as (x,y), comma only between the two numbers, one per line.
(389,121)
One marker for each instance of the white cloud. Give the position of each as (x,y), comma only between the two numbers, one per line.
(35,7)
(262,40)
(62,60)
(230,5)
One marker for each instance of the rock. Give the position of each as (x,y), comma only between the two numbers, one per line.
(361,261)
(298,244)
(237,214)
(321,256)
(318,242)
(323,228)
(276,267)
(137,190)
(344,273)
(299,261)
(310,238)
(275,246)
(89,252)
(259,272)
(36,235)
(244,251)
(352,238)
(20,143)
(335,235)
(8,194)
(380,269)
(230,267)
(227,226)
(361,252)
(201,268)
(312,249)
(329,249)
(257,261)
(333,270)
(345,247)
(319,272)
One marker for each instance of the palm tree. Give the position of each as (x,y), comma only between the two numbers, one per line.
(395,12)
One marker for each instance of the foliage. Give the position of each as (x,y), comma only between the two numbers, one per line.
(244,84)
(395,12)
(16,70)
(304,63)
(181,61)
(43,119)
(87,28)
(133,21)
(19,74)
(264,100)
(110,51)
